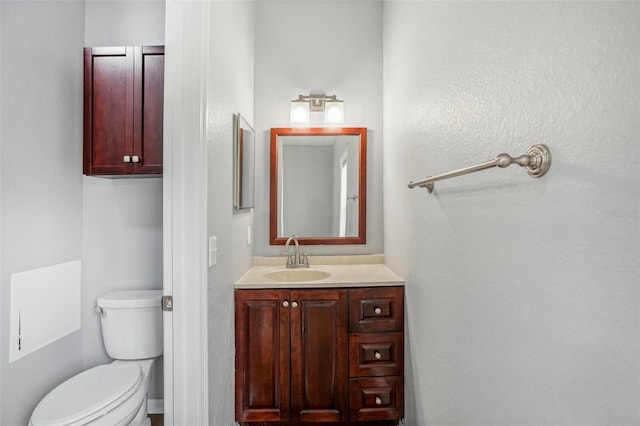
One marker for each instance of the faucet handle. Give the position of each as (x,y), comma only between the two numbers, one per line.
(305,260)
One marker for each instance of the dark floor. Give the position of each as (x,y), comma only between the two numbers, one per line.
(157,419)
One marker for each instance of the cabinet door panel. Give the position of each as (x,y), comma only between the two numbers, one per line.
(108,107)
(262,355)
(148,110)
(319,355)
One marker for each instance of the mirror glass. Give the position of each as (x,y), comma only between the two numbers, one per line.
(318,185)
(243,163)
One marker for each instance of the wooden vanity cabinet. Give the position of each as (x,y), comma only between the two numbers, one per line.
(123,110)
(290,363)
(319,356)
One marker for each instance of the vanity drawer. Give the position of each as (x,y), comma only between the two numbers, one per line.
(376,354)
(376,398)
(376,309)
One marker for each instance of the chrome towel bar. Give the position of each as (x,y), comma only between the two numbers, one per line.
(537,160)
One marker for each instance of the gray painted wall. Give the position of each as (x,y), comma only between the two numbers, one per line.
(343,58)
(50,212)
(522,294)
(41,182)
(230,91)
(122,217)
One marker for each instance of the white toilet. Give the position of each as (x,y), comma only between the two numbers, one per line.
(112,394)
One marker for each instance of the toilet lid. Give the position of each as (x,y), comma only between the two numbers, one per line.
(88,395)
(130,299)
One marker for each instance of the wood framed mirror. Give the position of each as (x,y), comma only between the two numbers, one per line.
(243,163)
(318,187)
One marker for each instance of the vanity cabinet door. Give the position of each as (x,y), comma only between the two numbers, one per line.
(262,327)
(319,361)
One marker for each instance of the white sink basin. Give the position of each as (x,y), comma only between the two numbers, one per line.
(296,275)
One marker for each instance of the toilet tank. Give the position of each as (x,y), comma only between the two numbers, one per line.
(131,323)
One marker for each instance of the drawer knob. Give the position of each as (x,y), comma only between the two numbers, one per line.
(377,310)
(378,400)
(285,303)
(377,355)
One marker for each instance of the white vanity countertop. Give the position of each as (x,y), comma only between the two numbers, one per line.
(344,271)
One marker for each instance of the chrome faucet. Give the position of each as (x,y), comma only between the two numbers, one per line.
(294,260)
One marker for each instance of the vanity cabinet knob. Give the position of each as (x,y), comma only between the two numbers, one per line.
(378,400)
(135,159)
(377,310)
(285,303)
(294,304)
(377,355)
(126,159)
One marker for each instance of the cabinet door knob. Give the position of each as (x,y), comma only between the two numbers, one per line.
(377,310)
(126,159)
(135,159)
(285,303)
(377,355)
(378,400)
(294,304)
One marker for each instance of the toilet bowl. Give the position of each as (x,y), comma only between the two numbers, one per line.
(110,394)
(116,393)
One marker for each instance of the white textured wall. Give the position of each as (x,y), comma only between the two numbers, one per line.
(122,217)
(230,91)
(41,181)
(522,294)
(318,46)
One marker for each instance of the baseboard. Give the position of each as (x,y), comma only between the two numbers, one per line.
(155,406)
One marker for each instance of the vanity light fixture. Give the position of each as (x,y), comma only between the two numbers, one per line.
(331,106)
(333,112)
(300,113)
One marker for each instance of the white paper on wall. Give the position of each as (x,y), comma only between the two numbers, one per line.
(45,306)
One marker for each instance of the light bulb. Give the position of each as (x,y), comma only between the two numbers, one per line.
(334,113)
(299,113)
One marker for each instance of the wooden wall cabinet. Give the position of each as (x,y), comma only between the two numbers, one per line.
(321,356)
(123,110)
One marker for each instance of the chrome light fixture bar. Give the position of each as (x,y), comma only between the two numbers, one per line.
(331,106)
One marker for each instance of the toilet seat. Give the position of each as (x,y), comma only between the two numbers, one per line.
(88,395)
